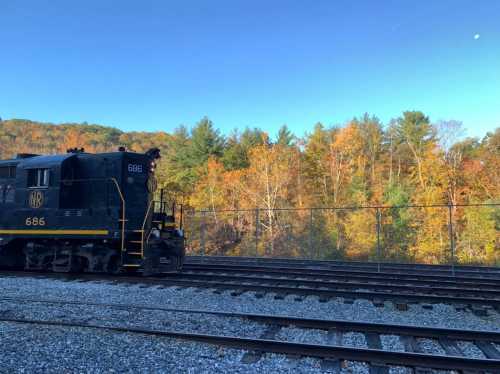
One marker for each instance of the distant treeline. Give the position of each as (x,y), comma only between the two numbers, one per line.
(408,161)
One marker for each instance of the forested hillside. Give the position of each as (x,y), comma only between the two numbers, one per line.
(409,161)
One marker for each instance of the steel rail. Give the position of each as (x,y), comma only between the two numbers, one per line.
(343,271)
(483,274)
(490,294)
(305,261)
(302,349)
(328,293)
(312,274)
(309,323)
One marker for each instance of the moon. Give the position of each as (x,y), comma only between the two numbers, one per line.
(477,36)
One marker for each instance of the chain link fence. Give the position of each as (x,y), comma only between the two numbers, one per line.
(434,234)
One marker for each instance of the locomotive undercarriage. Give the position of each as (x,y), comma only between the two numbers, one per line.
(77,256)
(71,256)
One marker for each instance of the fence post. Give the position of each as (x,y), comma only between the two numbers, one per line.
(311,238)
(202,233)
(378,239)
(257,223)
(452,241)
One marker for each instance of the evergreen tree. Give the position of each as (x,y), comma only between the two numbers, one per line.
(285,137)
(175,172)
(205,142)
(237,147)
(415,133)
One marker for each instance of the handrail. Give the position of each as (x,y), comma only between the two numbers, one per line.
(143,227)
(123,220)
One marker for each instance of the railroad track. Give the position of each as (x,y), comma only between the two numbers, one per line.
(330,351)
(370,267)
(343,281)
(483,289)
(478,300)
(284,287)
(347,275)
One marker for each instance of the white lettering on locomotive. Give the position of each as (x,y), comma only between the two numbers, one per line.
(134,168)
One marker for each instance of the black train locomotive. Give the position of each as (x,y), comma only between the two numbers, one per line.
(82,212)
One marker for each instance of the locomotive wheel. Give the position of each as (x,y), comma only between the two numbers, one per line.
(113,266)
(77,265)
(175,263)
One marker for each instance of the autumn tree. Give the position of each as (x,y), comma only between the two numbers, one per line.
(410,161)
(416,135)
(268,183)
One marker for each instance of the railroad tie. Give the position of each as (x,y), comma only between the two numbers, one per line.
(331,364)
(488,349)
(479,311)
(323,299)
(378,368)
(128,284)
(401,306)
(6,313)
(333,337)
(411,345)
(373,341)
(252,357)
(237,292)
(450,347)
(420,370)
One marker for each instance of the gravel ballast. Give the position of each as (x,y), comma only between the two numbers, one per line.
(440,315)
(392,343)
(51,349)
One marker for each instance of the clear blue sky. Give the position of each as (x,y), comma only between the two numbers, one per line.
(152,65)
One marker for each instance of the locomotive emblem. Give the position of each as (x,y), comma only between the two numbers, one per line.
(36,199)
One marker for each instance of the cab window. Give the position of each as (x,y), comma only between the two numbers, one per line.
(7,193)
(38,178)
(7,172)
